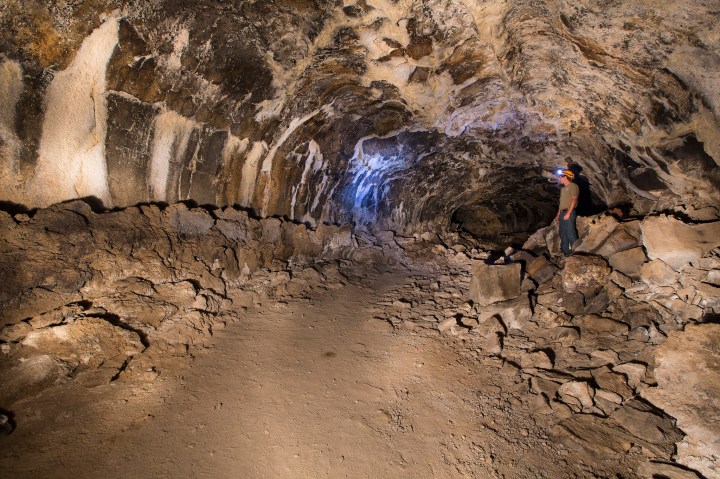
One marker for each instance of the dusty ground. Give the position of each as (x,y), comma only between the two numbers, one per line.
(303,389)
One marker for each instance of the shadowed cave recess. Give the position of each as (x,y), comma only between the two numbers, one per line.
(221,150)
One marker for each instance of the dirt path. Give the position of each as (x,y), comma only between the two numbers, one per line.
(296,390)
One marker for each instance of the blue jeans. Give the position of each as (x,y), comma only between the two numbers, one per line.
(568,233)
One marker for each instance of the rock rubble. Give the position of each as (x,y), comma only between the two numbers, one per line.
(88,295)
(592,335)
(605,348)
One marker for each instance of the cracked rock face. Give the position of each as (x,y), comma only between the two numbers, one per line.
(402,114)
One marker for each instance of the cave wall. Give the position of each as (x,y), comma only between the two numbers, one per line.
(400,114)
(87,292)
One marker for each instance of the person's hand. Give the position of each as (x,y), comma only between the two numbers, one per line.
(567,216)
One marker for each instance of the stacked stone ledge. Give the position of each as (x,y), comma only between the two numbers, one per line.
(94,295)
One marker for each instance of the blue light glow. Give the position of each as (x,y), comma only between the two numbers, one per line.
(371,174)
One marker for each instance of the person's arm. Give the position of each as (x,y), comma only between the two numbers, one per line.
(573,204)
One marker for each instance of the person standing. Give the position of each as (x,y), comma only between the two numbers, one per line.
(567,213)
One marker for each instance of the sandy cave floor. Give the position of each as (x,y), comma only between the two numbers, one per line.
(302,389)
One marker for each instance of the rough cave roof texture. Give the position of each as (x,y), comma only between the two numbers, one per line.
(404,114)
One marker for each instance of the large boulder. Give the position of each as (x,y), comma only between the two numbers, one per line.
(628,262)
(678,243)
(595,233)
(494,283)
(540,269)
(657,273)
(687,368)
(585,274)
(619,240)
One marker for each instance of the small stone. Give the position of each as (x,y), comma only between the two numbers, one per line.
(402,304)
(540,385)
(561,410)
(577,394)
(537,359)
(470,322)
(540,405)
(515,314)
(457,330)
(595,234)
(619,240)
(492,345)
(608,396)
(446,324)
(466,306)
(603,357)
(490,326)
(541,270)
(640,333)
(410,325)
(620,279)
(597,325)
(6,425)
(635,373)
(611,381)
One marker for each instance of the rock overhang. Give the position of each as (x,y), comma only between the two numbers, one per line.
(406,114)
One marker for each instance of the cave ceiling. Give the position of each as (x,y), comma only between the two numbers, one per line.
(406,114)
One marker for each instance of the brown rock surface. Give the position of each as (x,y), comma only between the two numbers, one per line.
(494,283)
(628,262)
(658,273)
(584,274)
(678,243)
(689,361)
(93,290)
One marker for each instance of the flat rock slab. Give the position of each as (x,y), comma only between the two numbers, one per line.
(678,243)
(494,283)
(629,261)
